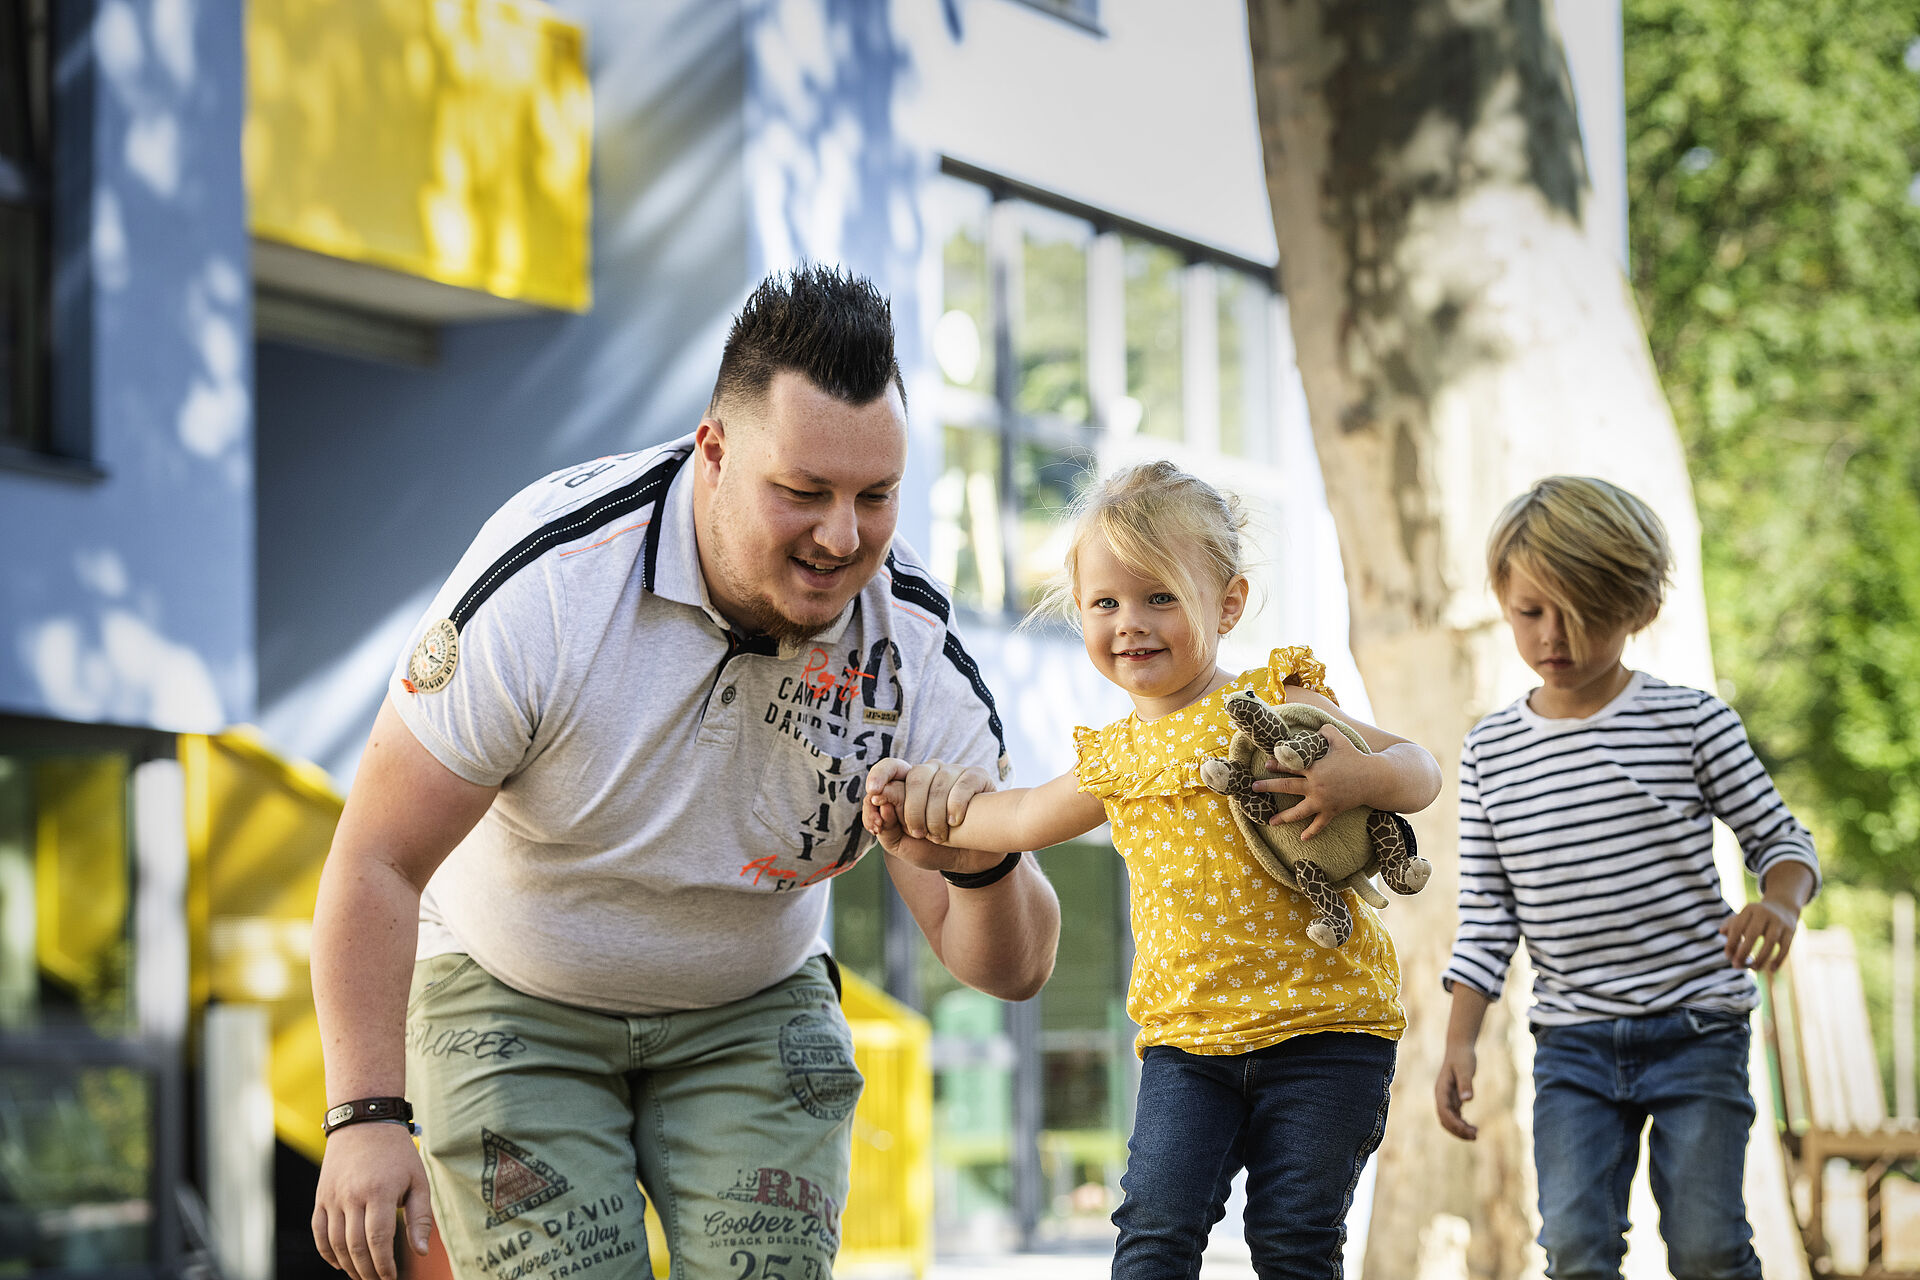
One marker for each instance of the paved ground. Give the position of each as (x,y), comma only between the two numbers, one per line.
(1067,1266)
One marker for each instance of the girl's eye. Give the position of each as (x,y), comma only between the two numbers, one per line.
(1161,597)
(1105,602)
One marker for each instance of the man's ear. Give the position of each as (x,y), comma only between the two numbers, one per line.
(709,448)
(1233,603)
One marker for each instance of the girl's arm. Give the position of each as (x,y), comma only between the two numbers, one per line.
(1399,775)
(993,822)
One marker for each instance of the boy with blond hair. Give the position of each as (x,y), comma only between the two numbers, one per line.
(1586,813)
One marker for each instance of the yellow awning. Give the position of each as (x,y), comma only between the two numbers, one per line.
(447,142)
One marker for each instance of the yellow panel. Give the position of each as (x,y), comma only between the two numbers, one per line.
(449,140)
(889,1212)
(258,829)
(80,870)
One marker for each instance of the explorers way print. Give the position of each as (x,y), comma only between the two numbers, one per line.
(843,713)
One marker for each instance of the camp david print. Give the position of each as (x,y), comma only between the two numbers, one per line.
(822,730)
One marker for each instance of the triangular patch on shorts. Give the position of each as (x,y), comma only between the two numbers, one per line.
(514,1180)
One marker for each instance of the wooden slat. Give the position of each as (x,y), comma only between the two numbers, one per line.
(1843,1090)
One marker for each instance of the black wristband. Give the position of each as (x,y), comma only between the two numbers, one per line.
(362,1110)
(981,879)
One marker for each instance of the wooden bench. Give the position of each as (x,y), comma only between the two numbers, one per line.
(1834,1107)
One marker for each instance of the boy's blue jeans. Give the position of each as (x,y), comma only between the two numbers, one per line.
(1302,1116)
(1596,1085)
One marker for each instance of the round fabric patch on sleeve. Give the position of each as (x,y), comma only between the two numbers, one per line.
(435,657)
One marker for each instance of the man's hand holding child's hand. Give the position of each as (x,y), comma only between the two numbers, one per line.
(913,806)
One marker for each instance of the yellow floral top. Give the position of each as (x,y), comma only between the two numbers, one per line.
(1222,959)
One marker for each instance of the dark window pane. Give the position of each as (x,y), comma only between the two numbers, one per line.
(75,1160)
(1051,328)
(968,551)
(1153,294)
(1239,356)
(1046,480)
(963,336)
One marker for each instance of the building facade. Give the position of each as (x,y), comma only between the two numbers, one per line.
(291,302)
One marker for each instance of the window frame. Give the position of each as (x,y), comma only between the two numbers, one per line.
(1104,440)
(157,1056)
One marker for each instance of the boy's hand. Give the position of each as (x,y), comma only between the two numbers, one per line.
(1453,1087)
(924,801)
(1760,935)
(1341,780)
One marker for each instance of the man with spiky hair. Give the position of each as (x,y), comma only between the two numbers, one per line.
(619,761)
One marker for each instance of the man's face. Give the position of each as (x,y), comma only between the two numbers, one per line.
(796,503)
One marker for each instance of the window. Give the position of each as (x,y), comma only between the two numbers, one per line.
(24,191)
(77,1103)
(89,1166)
(1069,339)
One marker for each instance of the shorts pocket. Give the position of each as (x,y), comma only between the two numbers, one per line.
(436,972)
(1706,1022)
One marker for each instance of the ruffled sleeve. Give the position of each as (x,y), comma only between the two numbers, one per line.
(1297,663)
(1107,768)
(1090,763)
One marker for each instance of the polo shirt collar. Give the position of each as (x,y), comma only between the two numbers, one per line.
(676,571)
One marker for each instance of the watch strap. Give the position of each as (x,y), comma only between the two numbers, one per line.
(981,879)
(361,1110)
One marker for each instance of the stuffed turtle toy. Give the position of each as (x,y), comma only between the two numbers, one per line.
(1346,852)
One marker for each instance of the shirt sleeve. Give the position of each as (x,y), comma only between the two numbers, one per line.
(1296,663)
(1739,792)
(1489,926)
(954,716)
(482,723)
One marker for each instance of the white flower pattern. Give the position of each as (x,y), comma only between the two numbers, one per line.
(1199,981)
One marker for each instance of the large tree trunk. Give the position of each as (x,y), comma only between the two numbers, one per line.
(1460,336)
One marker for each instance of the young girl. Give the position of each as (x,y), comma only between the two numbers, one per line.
(1586,814)
(1260,1048)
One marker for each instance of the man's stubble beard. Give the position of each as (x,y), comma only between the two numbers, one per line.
(763,615)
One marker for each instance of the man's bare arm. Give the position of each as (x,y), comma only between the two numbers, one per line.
(999,939)
(405,813)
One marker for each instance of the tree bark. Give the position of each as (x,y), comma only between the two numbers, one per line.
(1460,335)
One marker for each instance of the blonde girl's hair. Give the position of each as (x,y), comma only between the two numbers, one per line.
(1161,523)
(1600,553)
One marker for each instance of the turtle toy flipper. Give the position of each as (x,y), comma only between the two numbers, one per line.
(1346,852)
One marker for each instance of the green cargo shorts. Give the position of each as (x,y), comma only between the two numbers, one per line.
(538,1119)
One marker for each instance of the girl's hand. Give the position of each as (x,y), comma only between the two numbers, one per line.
(1759,937)
(1454,1087)
(923,801)
(1341,780)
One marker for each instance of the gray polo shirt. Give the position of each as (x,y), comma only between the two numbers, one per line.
(673,796)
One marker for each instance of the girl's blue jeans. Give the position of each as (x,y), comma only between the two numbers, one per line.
(1302,1116)
(1596,1085)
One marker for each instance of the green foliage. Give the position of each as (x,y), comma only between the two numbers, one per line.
(1772,148)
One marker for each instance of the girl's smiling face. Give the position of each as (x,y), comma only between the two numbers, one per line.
(1140,635)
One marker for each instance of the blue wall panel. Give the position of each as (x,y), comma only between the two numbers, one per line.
(127,598)
(374,478)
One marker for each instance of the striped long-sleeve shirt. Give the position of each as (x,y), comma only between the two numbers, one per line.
(1593,840)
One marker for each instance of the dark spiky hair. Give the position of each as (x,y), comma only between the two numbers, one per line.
(828,325)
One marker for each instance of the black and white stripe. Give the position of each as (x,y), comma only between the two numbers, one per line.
(645,490)
(910,585)
(1593,839)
